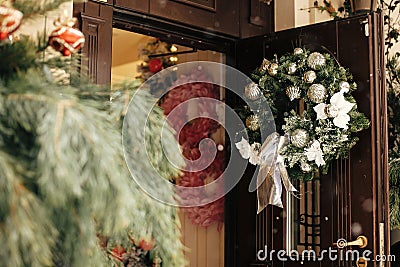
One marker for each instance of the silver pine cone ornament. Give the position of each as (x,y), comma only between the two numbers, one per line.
(293,92)
(252,91)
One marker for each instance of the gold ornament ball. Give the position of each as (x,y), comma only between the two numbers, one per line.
(309,76)
(252,122)
(331,111)
(291,69)
(293,92)
(264,65)
(300,138)
(273,69)
(316,60)
(298,51)
(317,93)
(305,167)
(252,91)
(344,86)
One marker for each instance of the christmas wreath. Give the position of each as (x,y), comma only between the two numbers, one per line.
(309,95)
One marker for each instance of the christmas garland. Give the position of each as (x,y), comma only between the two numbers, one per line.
(309,94)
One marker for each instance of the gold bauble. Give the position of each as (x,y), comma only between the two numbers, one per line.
(264,65)
(316,60)
(343,85)
(252,122)
(298,51)
(291,69)
(305,167)
(252,91)
(273,69)
(317,93)
(299,138)
(309,76)
(293,92)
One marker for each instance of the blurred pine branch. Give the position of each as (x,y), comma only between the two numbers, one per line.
(63,177)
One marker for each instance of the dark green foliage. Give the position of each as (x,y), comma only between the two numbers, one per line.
(17,57)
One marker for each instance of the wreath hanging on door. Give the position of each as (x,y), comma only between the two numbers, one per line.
(310,96)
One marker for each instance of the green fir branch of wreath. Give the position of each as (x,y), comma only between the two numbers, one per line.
(274,78)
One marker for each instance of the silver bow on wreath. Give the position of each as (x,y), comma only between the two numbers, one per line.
(272,172)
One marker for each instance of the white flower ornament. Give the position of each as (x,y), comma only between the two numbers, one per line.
(247,151)
(337,109)
(314,152)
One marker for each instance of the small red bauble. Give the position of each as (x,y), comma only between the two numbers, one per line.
(117,252)
(155,65)
(10,20)
(146,245)
(67,40)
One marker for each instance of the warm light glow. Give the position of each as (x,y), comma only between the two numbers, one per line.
(174,48)
(173,59)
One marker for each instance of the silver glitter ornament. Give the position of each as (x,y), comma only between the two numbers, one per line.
(316,60)
(293,92)
(317,93)
(291,69)
(252,91)
(309,76)
(273,69)
(305,167)
(264,65)
(344,86)
(331,111)
(252,122)
(299,138)
(298,51)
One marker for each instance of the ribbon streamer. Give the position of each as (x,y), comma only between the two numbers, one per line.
(272,172)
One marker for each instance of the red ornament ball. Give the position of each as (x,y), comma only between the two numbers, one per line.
(117,252)
(146,245)
(66,40)
(10,20)
(155,65)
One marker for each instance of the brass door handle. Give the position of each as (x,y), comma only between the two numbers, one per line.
(361,242)
(361,262)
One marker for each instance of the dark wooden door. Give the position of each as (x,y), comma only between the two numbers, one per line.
(213,15)
(352,199)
